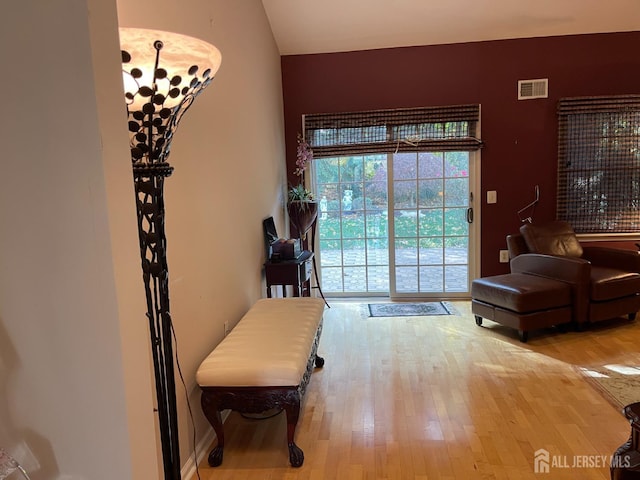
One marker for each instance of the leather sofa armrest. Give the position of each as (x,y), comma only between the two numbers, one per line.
(576,272)
(627,260)
(566,269)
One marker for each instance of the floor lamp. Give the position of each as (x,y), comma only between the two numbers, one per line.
(163,73)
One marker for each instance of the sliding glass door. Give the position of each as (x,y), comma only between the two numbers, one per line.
(353,224)
(429,225)
(395,224)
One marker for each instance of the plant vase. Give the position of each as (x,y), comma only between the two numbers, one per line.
(302,215)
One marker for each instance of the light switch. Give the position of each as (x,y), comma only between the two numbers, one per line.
(492,196)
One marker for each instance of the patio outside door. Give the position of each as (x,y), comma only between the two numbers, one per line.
(419,244)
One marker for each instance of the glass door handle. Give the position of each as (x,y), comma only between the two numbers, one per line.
(469,215)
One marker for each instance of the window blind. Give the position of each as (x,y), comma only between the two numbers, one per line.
(450,128)
(599,163)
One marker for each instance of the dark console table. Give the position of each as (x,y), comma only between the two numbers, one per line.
(295,272)
(625,464)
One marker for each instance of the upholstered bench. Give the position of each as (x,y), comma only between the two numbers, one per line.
(264,363)
(521,301)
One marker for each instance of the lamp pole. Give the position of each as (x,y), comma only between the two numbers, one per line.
(149,190)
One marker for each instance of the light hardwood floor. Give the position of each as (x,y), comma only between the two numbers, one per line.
(440,398)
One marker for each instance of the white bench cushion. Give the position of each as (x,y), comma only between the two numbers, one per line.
(270,346)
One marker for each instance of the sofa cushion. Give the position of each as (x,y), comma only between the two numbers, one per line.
(610,283)
(554,238)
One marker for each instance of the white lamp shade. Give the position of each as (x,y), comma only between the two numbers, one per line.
(178,56)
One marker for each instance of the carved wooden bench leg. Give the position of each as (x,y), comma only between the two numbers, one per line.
(292,409)
(211,411)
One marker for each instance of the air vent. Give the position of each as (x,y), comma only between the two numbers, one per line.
(529,89)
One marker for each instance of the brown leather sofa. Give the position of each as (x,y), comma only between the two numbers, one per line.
(605,282)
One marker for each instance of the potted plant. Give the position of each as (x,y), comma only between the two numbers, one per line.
(302,208)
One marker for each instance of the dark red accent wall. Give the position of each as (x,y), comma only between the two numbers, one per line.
(520,136)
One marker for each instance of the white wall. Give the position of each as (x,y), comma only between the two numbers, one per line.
(76,398)
(63,408)
(228,154)
(134,330)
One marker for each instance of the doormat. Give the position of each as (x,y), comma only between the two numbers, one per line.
(410,309)
(619,384)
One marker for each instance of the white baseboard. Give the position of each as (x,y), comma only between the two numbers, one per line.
(188,470)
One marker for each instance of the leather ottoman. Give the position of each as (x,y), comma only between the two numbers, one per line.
(521,301)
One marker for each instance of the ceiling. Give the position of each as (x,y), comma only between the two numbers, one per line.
(322,26)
